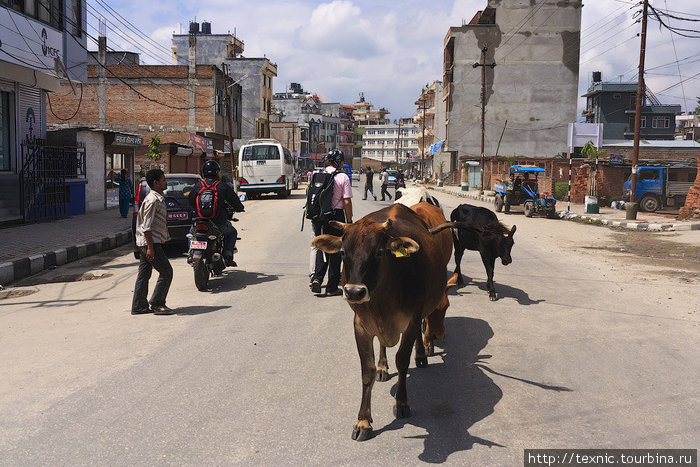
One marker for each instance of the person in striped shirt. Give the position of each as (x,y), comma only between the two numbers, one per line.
(151,234)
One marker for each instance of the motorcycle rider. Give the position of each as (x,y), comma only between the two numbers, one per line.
(225,195)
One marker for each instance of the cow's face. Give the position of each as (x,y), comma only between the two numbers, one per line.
(504,246)
(366,246)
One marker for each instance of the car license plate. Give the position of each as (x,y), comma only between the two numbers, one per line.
(177,215)
(195,245)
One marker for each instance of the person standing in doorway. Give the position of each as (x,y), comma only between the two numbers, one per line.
(126,193)
(151,234)
(384,177)
(369,186)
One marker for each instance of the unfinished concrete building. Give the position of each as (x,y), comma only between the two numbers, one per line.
(531,93)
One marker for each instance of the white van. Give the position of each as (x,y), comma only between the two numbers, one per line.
(265,167)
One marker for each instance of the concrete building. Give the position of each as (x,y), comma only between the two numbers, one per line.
(531,94)
(318,121)
(688,127)
(40,42)
(346,138)
(430,116)
(255,75)
(614,105)
(364,114)
(384,144)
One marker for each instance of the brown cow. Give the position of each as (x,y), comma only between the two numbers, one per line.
(435,321)
(393,277)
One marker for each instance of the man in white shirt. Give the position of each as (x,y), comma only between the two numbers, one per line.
(151,234)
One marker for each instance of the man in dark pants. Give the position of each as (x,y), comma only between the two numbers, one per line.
(342,212)
(151,233)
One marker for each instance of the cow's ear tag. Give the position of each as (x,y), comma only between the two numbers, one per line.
(402,252)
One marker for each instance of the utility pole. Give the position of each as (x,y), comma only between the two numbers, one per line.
(483,66)
(632,205)
(398,145)
(224,68)
(422,144)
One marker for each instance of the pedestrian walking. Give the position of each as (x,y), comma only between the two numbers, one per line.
(369,186)
(384,177)
(126,193)
(151,234)
(341,202)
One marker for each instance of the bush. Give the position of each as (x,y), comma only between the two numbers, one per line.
(560,190)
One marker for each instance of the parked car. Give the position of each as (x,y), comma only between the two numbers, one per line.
(521,188)
(355,175)
(391,176)
(176,201)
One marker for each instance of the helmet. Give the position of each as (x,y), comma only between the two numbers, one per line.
(335,157)
(211,169)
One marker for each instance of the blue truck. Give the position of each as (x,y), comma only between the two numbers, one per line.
(659,187)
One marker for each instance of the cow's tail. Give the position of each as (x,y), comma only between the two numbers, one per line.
(454,225)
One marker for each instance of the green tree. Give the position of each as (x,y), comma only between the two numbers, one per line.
(154,153)
(590,151)
(697,108)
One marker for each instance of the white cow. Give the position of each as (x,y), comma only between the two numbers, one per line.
(414,195)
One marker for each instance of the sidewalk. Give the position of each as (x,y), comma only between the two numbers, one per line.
(30,248)
(607,216)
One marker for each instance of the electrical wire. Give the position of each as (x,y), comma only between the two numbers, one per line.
(80,101)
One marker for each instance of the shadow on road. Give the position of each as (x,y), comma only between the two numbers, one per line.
(197,310)
(236,279)
(451,394)
(502,290)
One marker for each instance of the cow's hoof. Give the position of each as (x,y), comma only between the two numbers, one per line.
(362,431)
(382,375)
(402,411)
(493,297)
(421,362)
(430,349)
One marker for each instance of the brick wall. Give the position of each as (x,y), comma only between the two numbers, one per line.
(673,154)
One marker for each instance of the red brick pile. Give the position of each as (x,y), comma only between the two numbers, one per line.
(691,210)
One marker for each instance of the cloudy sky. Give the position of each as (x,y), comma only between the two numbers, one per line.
(389,49)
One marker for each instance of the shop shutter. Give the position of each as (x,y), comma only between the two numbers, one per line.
(32,118)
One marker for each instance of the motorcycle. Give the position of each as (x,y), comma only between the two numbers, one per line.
(206,250)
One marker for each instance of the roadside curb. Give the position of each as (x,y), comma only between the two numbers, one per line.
(23,267)
(650,226)
(632,225)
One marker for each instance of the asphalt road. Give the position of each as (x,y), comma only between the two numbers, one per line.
(586,348)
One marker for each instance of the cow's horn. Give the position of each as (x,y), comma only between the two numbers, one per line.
(442,227)
(387,224)
(338,225)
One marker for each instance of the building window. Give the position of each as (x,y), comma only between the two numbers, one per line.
(660,122)
(75,23)
(46,11)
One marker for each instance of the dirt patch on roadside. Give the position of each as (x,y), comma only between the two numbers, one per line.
(15,293)
(682,261)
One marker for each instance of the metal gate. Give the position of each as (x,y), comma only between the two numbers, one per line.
(43,178)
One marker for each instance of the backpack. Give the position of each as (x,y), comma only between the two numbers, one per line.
(319,196)
(208,200)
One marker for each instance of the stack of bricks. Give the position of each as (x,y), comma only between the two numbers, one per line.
(692,201)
